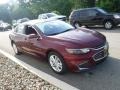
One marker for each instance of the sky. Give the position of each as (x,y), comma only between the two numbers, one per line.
(6,1)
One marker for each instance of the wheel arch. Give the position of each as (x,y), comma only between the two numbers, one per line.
(108,20)
(66,68)
(12,42)
(53,50)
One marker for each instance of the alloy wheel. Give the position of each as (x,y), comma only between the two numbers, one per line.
(55,63)
(108,25)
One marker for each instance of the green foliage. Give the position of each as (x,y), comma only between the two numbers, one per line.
(39,7)
(84,3)
(110,5)
(43,6)
(62,6)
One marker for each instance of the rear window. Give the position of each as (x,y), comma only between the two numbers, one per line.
(74,13)
(19,29)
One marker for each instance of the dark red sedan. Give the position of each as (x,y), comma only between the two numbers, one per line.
(63,45)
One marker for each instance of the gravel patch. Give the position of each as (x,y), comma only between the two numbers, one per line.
(15,77)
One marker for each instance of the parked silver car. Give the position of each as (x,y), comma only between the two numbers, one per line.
(52,16)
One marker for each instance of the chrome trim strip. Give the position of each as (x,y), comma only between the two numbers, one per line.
(98,48)
(83,68)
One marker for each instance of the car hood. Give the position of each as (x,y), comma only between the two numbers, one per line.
(83,38)
(113,14)
(58,17)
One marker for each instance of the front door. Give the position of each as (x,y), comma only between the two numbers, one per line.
(35,44)
(94,17)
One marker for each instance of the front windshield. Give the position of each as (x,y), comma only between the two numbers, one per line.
(51,15)
(102,11)
(54,27)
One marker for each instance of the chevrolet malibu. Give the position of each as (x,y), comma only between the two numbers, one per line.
(65,47)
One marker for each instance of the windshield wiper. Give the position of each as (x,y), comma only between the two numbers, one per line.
(52,34)
(67,30)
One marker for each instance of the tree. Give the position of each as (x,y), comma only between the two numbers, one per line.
(109,5)
(42,6)
(22,12)
(84,3)
(5,14)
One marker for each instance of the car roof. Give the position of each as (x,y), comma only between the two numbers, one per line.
(47,13)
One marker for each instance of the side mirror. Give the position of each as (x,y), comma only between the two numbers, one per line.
(31,36)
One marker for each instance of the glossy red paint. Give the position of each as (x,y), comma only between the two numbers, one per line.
(74,39)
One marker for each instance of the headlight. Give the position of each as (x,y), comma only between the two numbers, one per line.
(116,16)
(106,46)
(78,51)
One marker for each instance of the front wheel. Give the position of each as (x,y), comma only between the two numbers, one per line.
(108,25)
(57,63)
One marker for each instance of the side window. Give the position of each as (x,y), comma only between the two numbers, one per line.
(30,30)
(20,29)
(83,13)
(92,13)
(77,13)
(44,17)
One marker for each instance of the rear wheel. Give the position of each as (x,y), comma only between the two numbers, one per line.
(57,63)
(108,25)
(77,25)
(17,52)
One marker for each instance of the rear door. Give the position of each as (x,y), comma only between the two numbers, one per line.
(83,17)
(20,37)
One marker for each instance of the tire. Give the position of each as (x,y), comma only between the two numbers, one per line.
(57,63)
(108,25)
(77,25)
(16,51)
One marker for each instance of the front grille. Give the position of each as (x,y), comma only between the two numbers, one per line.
(100,55)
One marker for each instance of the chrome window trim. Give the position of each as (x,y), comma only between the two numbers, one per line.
(25,34)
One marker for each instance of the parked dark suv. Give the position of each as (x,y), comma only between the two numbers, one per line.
(94,16)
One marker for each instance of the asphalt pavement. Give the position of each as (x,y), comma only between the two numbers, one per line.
(104,76)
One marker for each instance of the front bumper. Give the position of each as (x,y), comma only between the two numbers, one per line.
(116,21)
(86,61)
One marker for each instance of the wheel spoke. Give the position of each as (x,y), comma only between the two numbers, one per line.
(108,25)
